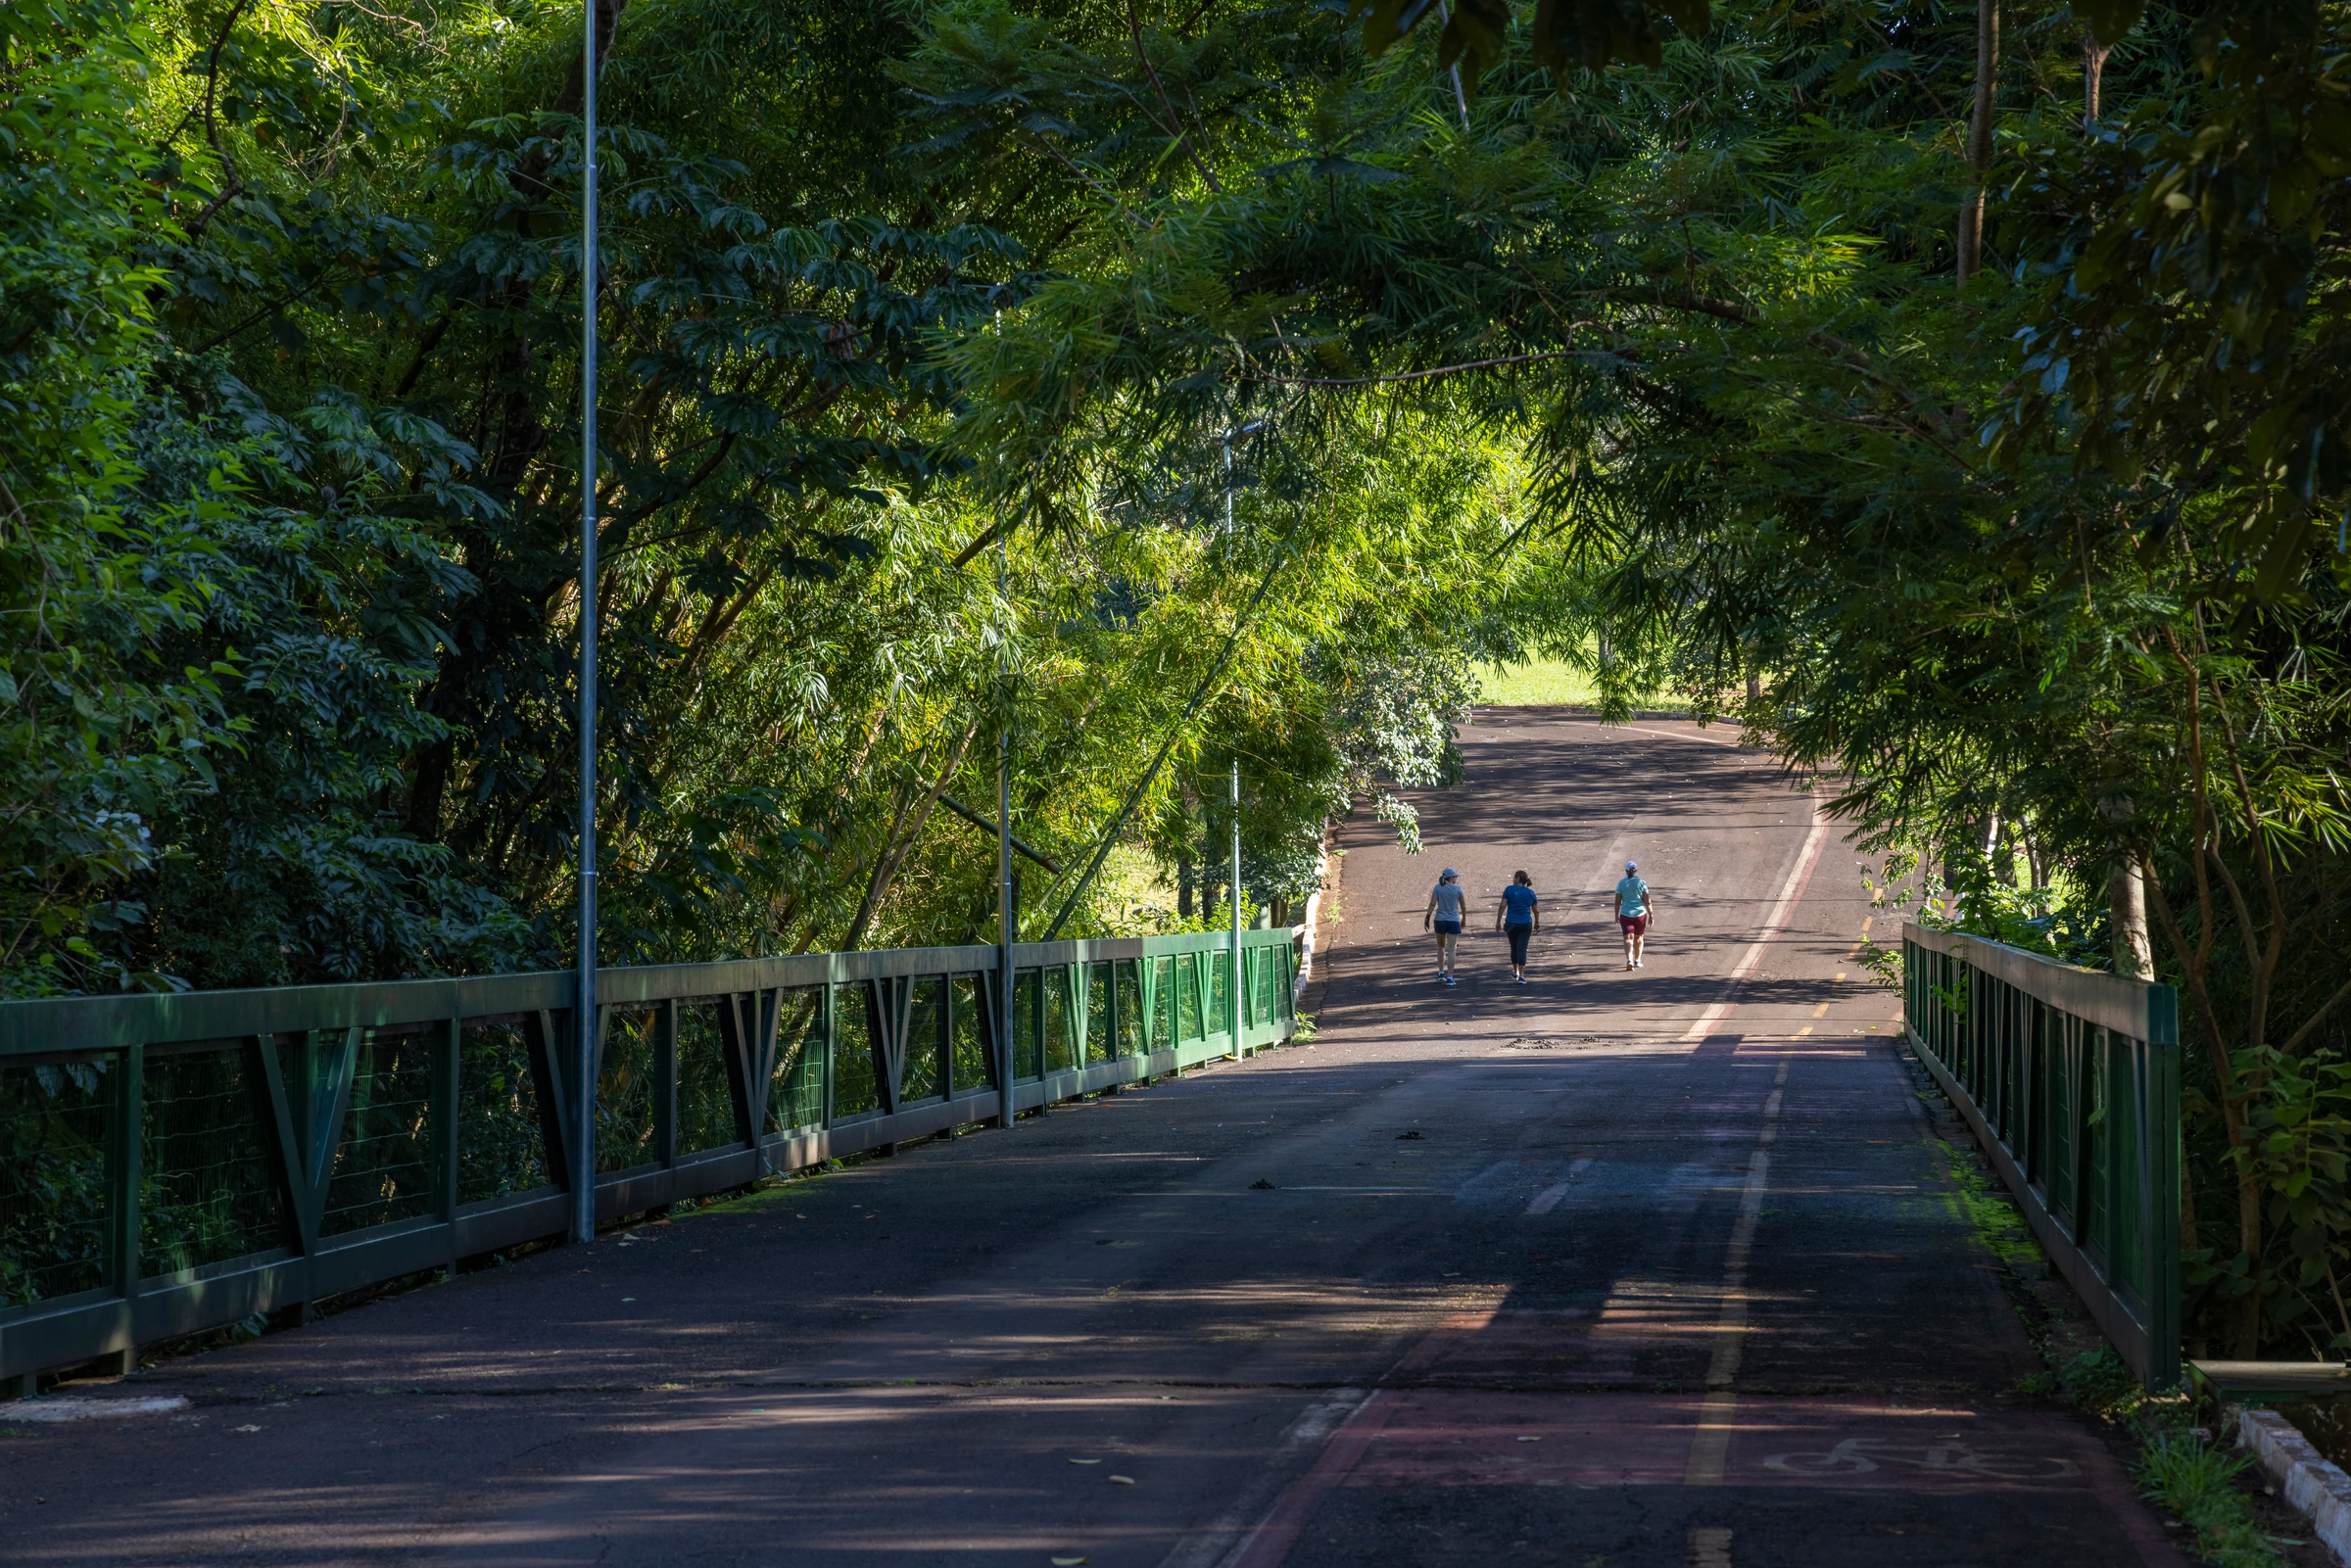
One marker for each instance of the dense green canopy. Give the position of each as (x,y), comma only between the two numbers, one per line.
(1956,400)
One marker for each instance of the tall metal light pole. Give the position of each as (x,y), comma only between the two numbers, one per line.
(1007,911)
(584,1016)
(1234,996)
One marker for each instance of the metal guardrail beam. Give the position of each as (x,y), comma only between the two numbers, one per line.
(2070,1079)
(225,1154)
(2139,1009)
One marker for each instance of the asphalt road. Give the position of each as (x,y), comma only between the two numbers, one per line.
(1623,1268)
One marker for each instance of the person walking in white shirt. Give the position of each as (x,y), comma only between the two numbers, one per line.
(1446,903)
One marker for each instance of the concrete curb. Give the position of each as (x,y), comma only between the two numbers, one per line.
(2303,1477)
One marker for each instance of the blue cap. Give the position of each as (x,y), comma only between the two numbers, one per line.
(1447,871)
(1629,866)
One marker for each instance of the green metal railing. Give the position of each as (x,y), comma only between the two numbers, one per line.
(2071,1080)
(173,1164)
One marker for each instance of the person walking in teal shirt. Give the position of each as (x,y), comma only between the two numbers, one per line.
(1519,917)
(1634,903)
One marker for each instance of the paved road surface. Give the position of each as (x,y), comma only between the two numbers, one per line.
(1655,1267)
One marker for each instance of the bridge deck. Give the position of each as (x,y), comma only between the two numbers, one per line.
(1634,1267)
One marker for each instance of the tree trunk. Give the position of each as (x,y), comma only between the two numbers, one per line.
(1184,888)
(2127,908)
(1979,138)
(2093,74)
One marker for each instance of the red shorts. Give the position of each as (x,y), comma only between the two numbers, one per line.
(1634,925)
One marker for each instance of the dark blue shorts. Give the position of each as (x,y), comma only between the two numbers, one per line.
(1449,927)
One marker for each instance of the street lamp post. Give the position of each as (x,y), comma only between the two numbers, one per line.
(584,1013)
(1235,994)
(1008,918)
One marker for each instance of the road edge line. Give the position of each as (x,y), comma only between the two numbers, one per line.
(1799,879)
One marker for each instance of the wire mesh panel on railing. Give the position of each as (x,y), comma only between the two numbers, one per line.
(1129,986)
(1100,1042)
(56,1204)
(1164,1034)
(1219,993)
(1028,1025)
(628,1088)
(1061,1023)
(925,1076)
(500,1143)
(209,1190)
(2061,1116)
(966,1066)
(2099,1217)
(383,1168)
(705,1089)
(795,1098)
(856,1090)
(1188,998)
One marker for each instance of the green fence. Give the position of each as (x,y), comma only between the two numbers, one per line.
(2071,1080)
(171,1164)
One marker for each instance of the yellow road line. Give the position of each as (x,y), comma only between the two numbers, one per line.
(1711,1446)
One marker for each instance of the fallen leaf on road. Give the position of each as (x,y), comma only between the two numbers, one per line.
(1121,1481)
(244,1429)
(1085,1461)
(1068,1562)
(1530,1440)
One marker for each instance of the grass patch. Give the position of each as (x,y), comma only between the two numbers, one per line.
(1547,683)
(2198,1483)
(1538,683)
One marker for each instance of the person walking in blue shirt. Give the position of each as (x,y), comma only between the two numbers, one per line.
(1518,916)
(1446,903)
(1634,904)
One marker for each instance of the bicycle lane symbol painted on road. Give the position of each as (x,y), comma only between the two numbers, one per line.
(1897,1461)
